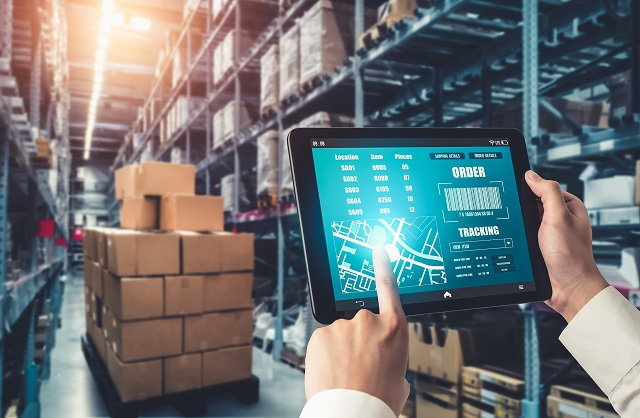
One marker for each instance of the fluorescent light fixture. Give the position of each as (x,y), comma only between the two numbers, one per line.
(140,24)
(103,41)
(106,20)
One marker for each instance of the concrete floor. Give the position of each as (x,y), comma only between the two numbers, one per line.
(71,391)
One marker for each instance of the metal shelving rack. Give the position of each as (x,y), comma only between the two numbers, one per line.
(451,65)
(25,187)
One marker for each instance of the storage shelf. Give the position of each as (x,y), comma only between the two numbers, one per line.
(592,144)
(21,293)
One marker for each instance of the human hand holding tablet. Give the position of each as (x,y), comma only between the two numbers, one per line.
(450,206)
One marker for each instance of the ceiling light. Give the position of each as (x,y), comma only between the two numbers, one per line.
(98,78)
(140,23)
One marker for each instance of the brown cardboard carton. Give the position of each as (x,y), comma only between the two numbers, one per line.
(88,316)
(444,356)
(100,237)
(191,213)
(182,373)
(135,381)
(100,342)
(139,213)
(90,244)
(220,251)
(88,279)
(201,253)
(148,339)
(237,252)
(183,295)
(96,280)
(227,291)
(156,178)
(137,298)
(125,180)
(226,365)
(133,253)
(216,330)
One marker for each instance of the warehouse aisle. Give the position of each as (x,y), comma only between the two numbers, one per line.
(72,392)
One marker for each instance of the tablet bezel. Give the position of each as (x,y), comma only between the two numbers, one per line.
(323,302)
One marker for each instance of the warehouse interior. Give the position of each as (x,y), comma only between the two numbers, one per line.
(132,129)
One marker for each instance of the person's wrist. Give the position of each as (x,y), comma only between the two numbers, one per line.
(569,301)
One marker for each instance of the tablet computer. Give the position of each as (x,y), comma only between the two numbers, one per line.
(451,207)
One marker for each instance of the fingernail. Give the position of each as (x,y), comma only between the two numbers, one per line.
(532,175)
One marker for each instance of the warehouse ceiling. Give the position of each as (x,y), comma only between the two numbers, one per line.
(131,57)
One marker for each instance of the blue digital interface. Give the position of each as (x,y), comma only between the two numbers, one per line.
(449,218)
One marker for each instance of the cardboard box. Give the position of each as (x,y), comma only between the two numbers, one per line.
(88,316)
(619,216)
(99,342)
(136,298)
(125,182)
(290,62)
(135,381)
(267,169)
(443,357)
(100,237)
(183,295)
(97,281)
(217,330)
(182,373)
(191,213)
(434,400)
(227,291)
(326,38)
(158,178)
(216,252)
(89,244)
(226,365)
(148,339)
(96,310)
(218,129)
(270,79)
(133,253)
(139,213)
(610,192)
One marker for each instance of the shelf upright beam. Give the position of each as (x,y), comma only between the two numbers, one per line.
(36,80)
(6,28)
(188,104)
(279,338)
(486,96)
(530,69)
(4,192)
(357,64)
(208,122)
(635,57)
(236,128)
(31,379)
(531,403)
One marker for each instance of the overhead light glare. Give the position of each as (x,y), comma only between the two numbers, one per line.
(108,17)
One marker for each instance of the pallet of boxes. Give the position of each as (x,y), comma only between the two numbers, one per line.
(168,305)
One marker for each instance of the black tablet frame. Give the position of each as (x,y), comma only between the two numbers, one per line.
(306,190)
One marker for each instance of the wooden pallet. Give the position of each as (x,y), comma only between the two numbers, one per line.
(190,404)
(292,359)
(589,400)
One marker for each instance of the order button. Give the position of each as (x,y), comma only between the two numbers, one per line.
(485,155)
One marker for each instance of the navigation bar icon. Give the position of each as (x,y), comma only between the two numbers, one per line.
(360,303)
(447,295)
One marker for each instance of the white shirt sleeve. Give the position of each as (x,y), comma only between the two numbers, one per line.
(343,403)
(605,339)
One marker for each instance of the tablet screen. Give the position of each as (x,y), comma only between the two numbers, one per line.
(447,212)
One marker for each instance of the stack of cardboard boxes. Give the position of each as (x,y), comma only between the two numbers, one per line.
(169,300)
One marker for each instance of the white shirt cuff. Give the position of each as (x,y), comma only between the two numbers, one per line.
(604,337)
(344,403)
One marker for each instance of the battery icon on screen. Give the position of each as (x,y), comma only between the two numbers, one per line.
(504,142)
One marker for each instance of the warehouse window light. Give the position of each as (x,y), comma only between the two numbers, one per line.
(98,78)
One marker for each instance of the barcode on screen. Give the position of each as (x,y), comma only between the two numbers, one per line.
(473,198)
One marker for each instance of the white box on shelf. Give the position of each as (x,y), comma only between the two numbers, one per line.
(610,192)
